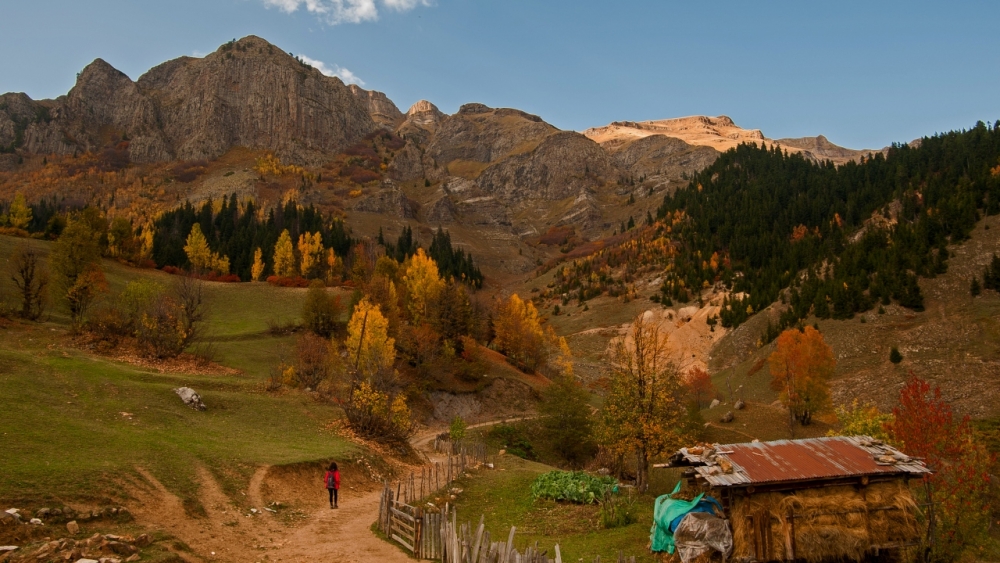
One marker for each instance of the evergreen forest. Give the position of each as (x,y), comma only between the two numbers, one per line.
(839,239)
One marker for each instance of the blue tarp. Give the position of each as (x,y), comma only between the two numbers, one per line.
(668,512)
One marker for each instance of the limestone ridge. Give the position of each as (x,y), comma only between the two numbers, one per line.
(248,93)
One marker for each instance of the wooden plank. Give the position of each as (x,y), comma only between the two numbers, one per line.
(403,541)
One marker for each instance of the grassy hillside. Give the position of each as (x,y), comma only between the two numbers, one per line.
(73,424)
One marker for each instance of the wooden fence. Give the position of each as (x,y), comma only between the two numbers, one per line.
(427,531)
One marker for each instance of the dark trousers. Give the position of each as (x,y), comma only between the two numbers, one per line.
(333,496)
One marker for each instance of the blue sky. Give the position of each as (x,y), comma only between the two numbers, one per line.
(865,74)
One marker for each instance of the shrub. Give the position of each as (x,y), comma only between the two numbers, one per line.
(894,356)
(321,311)
(280,281)
(572,486)
(159,332)
(312,360)
(456,431)
(374,414)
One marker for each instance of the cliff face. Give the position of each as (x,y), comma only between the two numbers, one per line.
(661,156)
(252,94)
(248,93)
(380,108)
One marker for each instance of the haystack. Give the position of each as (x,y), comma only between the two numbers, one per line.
(842,522)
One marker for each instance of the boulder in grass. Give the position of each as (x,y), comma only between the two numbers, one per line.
(728,417)
(190,398)
(72,527)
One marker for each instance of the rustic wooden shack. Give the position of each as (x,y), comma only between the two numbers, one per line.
(819,499)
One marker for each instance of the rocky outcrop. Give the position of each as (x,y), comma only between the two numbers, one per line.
(381,109)
(248,93)
(17,111)
(820,148)
(104,108)
(480,134)
(421,122)
(660,155)
(389,200)
(563,165)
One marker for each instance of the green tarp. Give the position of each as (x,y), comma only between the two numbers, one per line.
(667,509)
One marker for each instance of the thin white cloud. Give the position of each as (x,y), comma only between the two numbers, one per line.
(405,5)
(336,12)
(340,72)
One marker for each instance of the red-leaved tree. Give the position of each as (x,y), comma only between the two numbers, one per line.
(699,383)
(925,426)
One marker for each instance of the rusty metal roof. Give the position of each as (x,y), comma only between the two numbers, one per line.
(786,461)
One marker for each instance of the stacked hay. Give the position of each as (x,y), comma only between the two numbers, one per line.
(829,523)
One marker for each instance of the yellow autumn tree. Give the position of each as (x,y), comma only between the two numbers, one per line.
(643,412)
(257,270)
(284,256)
(423,284)
(200,256)
(519,333)
(311,253)
(370,349)
(20,213)
(197,250)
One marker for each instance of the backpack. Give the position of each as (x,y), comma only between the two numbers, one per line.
(331,480)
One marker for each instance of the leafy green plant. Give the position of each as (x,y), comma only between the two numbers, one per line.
(572,486)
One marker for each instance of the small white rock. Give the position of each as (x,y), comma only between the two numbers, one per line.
(36,521)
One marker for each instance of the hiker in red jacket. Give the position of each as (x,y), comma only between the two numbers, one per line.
(332,480)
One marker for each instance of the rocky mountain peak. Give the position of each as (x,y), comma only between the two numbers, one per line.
(423,106)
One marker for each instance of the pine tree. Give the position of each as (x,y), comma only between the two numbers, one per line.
(974,288)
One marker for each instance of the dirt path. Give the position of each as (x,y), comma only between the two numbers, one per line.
(305,529)
(342,535)
(302,529)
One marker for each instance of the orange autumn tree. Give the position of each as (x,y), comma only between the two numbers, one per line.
(700,385)
(801,366)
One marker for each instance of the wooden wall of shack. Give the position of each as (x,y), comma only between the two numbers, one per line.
(821,520)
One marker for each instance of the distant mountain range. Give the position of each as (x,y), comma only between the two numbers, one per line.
(501,169)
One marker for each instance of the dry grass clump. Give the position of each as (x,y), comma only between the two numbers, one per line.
(830,523)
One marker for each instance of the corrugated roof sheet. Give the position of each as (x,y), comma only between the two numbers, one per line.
(802,460)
